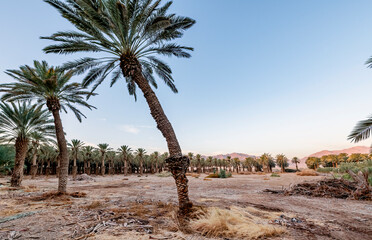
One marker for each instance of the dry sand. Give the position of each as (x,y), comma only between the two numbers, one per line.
(134,207)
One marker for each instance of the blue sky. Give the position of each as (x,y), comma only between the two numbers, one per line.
(266,76)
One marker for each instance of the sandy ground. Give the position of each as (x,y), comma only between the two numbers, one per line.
(152,198)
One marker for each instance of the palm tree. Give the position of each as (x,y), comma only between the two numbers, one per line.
(103,148)
(131,34)
(156,158)
(362,130)
(265,160)
(282,161)
(18,122)
(48,154)
(37,138)
(191,157)
(75,146)
(51,86)
(296,161)
(87,153)
(125,151)
(198,162)
(140,152)
(111,155)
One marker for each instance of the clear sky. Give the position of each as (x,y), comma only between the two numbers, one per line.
(266,76)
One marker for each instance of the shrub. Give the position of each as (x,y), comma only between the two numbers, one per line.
(275,175)
(307,172)
(213,175)
(222,174)
(290,170)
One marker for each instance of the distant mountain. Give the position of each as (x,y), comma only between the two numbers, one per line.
(358,149)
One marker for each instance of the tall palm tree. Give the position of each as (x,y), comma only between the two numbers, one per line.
(48,155)
(130,34)
(53,87)
(103,149)
(125,151)
(75,146)
(156,158)
(140,152)
(18,122)
(296,161)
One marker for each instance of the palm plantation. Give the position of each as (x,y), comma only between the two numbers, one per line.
(125,151)
(130,36)
(103,149)
(18,124)
(52,87)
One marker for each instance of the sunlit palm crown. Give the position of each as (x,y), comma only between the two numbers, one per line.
(46,84)
(22,120)
(132,33)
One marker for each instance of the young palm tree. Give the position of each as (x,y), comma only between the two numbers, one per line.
(140,152)
(53,87)
(296,161)
(18,122)
(125,151)
(75,146)
(130,34)
(103,149)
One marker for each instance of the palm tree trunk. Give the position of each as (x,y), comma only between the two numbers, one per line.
(74,169)
(62,145)
(125,166)
(296,167)
(103,167)
(176,162)
(21,147)
(141,166)
(33,166)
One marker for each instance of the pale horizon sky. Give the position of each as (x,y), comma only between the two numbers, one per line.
(266,76)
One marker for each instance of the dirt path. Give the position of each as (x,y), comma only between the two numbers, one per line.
(130,199)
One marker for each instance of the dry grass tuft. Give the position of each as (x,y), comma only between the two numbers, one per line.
(64,197)
(93,205)
(236,222)
(307,172)
(195,175)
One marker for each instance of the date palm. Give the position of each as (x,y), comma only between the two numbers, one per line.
(75,146)
(124,152)
(130,35)
(362,130)
(103,149)
(18,122)
(37,139)
(140,152)
(53,87)
(88,152)
(282,161)
(296,161)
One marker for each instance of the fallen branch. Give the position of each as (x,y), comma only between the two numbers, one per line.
(17,216)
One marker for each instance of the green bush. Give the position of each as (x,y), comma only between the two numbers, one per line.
(222,174)
(325,170)
(290,170)
(275,175)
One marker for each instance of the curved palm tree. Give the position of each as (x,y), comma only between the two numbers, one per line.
(75,146)
(103,149)
(125,151)
(18,122)
(140,152)
(53,87)
(130,34)
(296,161)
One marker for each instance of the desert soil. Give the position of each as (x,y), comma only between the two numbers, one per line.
(132,207)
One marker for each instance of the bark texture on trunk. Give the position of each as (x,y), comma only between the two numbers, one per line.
(62,145)
(125,166)
(21,147)
(141,166)
(176,162)
(103,167)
